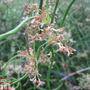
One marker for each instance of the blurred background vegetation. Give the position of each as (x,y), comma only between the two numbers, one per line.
(77,22)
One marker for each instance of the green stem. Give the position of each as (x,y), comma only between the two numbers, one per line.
(2,36)
(38,52)
(3,72)
(34,87)
(19,75)
(46,48)
(26,82)
(66,12)
(58,88)
(34,48)
(11,78)
(40,6)
(15,81)
(2,76)
(48,74)
(47,5)
(56,51)
(17,85)
(52,18)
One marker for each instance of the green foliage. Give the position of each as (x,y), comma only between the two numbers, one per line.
(2,10)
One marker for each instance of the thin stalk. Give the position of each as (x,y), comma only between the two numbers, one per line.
(26,37)
(2,76)
(48,74)
(3,72)
(55,51)
(34,87)
(66,12)
(38,53)
(26,82)
(40,6)
(10,78)
(19,75)
(56,4)
(18,80)
(58,88)
(46,48)
(17,85)
(2,36)
(47,5)
(34,48)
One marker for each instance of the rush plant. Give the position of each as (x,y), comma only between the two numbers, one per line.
(39,21)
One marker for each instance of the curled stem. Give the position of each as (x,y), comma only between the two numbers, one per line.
(2,36)
(3,72)
(66,12)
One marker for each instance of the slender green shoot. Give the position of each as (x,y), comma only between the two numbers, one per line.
(66,12)
(18,80)
(47,5)
(3,72)
(40,6)
(2,36)
(56,4)
(48,74)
